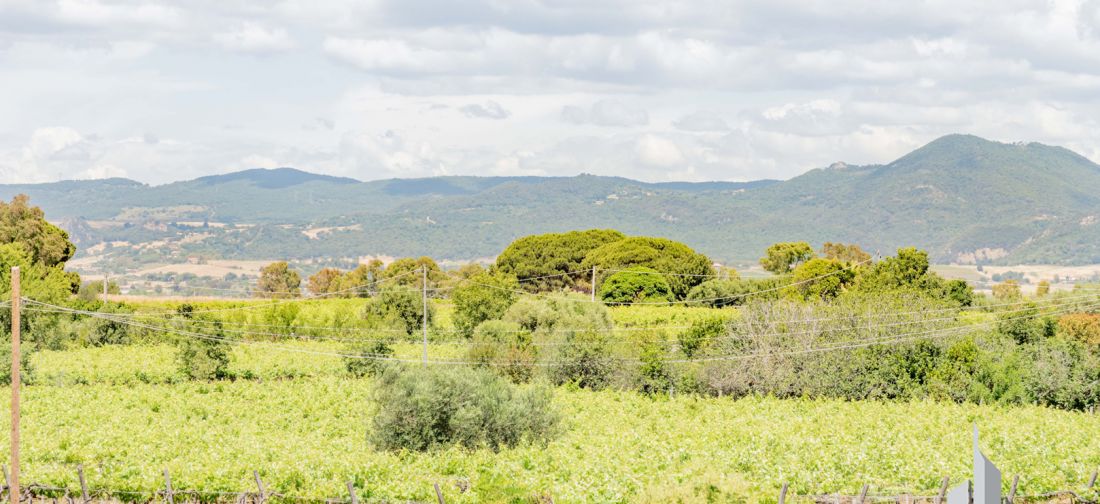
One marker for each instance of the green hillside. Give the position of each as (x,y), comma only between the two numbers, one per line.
(961,197)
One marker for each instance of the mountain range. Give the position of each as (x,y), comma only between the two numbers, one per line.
(963,198)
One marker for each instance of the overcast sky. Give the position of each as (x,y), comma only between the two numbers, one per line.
(661,90)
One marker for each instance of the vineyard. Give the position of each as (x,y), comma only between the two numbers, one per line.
(292,414)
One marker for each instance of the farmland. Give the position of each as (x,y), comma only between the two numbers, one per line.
(308,435)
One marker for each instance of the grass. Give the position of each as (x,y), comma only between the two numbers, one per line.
(308,435)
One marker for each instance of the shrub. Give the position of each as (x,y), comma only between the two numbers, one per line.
(421,408)
(368,357)
(398,305)
(637,284)
(700,335)
(721,293)
(485,297)
(584,359)
(504,347)
(203,358)
(655,371)
(1082,327)
(1025,324)
(555,315)
(1009,289)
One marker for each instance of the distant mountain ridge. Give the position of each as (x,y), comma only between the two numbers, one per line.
(962,197)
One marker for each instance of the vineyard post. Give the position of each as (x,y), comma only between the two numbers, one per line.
(943,490)
(439,494)
(863,494)
(13,489)
(83,484)
(260,486)
(168,487)
(1092,482)
(351,492)
(424,299)
(593,284)
(783,494)
(1012,490)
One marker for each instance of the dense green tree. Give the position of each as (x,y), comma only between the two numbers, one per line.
(552,261)
(819,279)
(278,281)
(398,307)
(26,226)
(409,272)
(719,293)
(783,257)
(683,267)
(483,297)
(637,284)
(202,358)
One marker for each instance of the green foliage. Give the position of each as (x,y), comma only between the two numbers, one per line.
(398,307)
(655,371)
(1025,324)
(684,267)
(633,285)
(1007,290)
(484,297)
(822,279)
(781,258)
(584,359)
(700,335)
(558,314)
(909,271)
(368,357)
(425,408)
(50,284)
(553,261)
(721,293)
(278,281)
(325,281)
(504,347)
(26,226)
(411,273)
(93,290)
(205,358)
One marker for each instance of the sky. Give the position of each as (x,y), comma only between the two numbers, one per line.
(651,90)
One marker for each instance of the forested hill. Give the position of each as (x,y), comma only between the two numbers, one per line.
(961,197)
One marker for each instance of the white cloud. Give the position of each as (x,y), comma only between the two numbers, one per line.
(657,151)
(490,110)
(701,121)
(606,113)
(255,38)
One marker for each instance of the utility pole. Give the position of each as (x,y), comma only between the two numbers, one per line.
(424,298)
(593,284)
(13,489)
(105,282)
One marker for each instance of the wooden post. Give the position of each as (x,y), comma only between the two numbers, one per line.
(862,494)
(1012,490)
(83,485)
(351,492)
(13,488)
(593,284)
(424,299)
(1092,482)
(943,490)
(260,486)
(783,494)
(439,494)
(168,487)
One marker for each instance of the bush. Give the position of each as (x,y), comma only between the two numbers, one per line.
(504,347)
(584,359)
(637,284)
(368,357)
(819,279)
(1081,327)
(1025,324)
(421,408)
(556,315)
(695,340)
(398,306)
(722,293)
(204,358)
(485,297)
